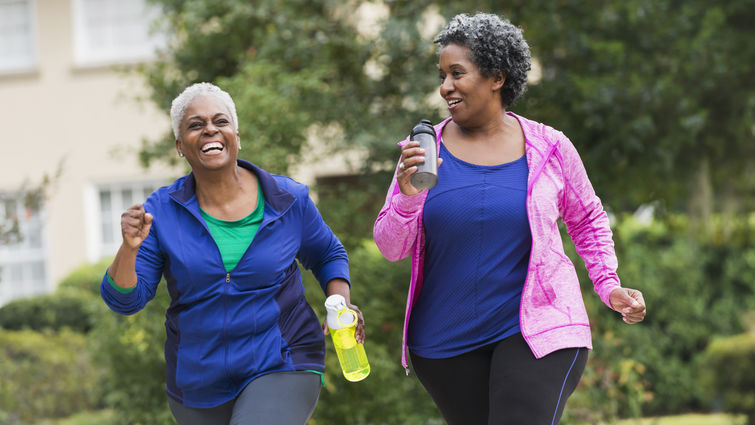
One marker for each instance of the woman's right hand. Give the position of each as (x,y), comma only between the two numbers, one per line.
(411,156)
(135,225)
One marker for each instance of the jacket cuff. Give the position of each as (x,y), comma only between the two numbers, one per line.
(333,270)
(116,287)
(406,204)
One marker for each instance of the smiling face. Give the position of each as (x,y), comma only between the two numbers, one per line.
(207,137)
(472,98)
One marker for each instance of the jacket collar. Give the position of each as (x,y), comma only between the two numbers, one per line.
(275,196)
(538,149)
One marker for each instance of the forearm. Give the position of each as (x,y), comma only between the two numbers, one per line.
(396,227)
(123,269)
(339,286)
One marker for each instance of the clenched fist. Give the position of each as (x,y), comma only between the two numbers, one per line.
(135,225)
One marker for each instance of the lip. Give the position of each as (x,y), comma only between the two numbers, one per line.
(452,107)
(213,151)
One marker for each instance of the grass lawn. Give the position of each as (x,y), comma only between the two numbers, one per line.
(102,417)
(690,419)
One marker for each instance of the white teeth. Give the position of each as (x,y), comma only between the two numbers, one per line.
(454,102)
(212,145)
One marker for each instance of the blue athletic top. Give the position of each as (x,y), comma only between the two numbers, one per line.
(477,250)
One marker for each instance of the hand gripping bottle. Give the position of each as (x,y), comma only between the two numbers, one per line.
(426,176)
(342,323)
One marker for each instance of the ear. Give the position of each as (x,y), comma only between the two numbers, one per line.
(498,81)
(178,148)
(238,140)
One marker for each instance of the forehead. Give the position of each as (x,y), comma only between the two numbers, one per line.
(455,54)
(205,106)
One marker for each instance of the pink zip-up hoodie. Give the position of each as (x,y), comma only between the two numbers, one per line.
(552,313)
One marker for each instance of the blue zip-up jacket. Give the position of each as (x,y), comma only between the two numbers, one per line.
(226,329)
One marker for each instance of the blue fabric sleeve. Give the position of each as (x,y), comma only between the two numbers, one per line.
(320,250)
(149,267)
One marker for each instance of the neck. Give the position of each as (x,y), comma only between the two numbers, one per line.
(218,187)
(491,124)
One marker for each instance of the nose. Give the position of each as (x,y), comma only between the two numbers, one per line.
(446,86)
(210,128)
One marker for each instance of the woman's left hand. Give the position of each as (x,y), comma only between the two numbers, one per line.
(628,302)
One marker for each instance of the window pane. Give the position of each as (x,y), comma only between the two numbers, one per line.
(16,273)
(38,271)
(33,234)
(115,30)
(127,198)
(107,231)
(16,49)
(105,204)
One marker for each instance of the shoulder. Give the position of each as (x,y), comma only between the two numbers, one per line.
(539,134)
(161,195)
(297,189)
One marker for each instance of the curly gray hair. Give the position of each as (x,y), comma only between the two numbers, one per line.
(496,46)
(182,101)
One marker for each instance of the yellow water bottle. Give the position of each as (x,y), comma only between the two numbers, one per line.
(342,323)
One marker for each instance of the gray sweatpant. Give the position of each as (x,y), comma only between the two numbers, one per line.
(282,398)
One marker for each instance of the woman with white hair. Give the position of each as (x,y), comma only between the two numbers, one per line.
(243,346)
(495,324)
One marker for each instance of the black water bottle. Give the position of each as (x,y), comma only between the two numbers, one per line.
(426,176)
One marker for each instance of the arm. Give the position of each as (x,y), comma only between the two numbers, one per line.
(323,253)
(587,224)
(320,250)
(123,289)
(397,225)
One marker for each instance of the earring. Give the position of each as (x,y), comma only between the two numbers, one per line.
(180,154)
(239,146)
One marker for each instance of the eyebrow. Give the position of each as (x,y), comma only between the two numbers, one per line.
(201,118)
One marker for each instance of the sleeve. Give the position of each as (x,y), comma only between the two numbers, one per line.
(320,251)
(587,222)
(397,225)
(149,268)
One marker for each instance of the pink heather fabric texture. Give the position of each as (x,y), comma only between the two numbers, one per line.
(552,313)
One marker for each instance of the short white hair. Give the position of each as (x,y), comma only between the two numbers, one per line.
(182,101)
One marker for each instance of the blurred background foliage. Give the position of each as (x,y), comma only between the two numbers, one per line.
(657,96)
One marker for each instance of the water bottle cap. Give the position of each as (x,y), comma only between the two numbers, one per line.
(335,303)
(424,126)
(347,318)
(335,306)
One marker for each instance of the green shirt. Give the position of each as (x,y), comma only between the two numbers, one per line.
(234,237)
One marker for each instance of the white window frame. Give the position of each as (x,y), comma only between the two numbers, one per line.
(30,62)
(97,247)
(23,255)
(86,55)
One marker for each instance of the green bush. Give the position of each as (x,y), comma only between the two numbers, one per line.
(729,373)
(62,309)
(695,289)
(86,278)
(68,307)
(130,352)
(45,375)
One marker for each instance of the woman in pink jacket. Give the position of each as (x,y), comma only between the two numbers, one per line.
(495,322)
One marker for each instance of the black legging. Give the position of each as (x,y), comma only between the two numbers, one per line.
(502,383)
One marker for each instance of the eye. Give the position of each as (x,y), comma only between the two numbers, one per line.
(456,73)
(195,125)
(222,121)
